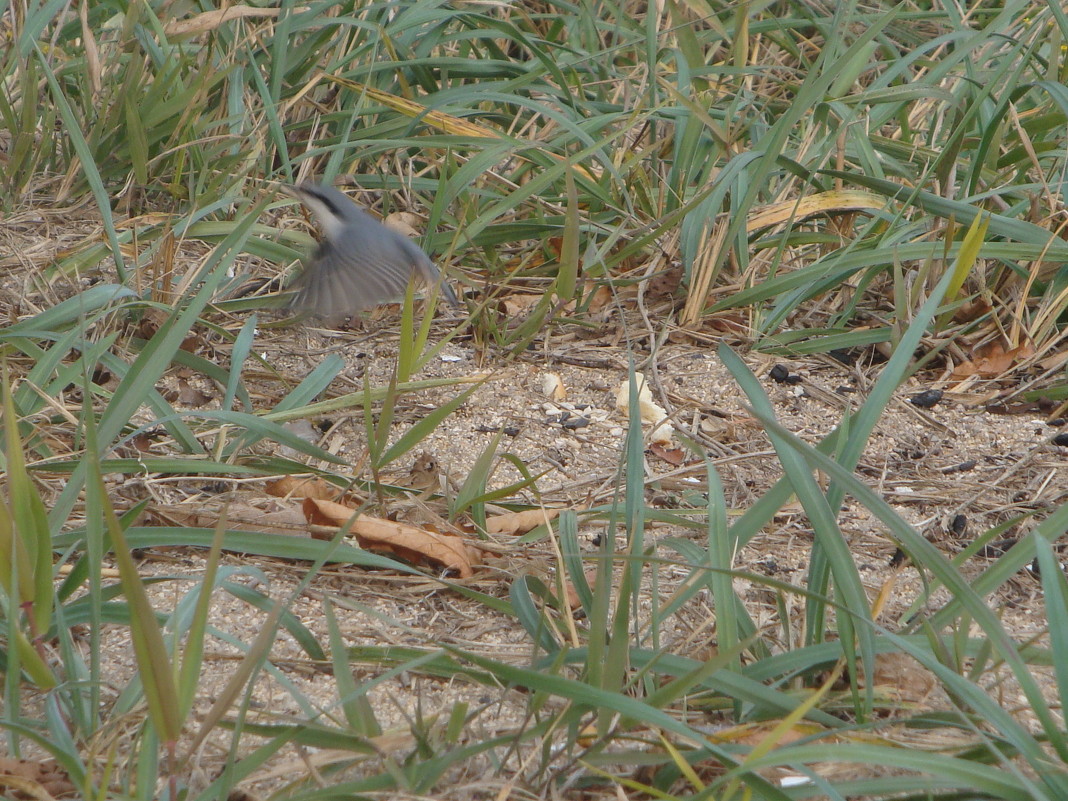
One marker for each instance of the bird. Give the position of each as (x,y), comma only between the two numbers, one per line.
(359,263)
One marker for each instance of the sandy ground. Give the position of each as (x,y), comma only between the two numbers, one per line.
(953,471)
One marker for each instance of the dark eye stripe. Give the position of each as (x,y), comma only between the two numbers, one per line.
(323,198)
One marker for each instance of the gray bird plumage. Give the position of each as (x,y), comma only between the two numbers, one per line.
(360,262)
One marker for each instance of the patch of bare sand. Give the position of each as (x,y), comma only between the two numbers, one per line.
(914,460)
(951,471)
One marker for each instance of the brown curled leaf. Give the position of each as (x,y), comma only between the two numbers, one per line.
(32,778)
(293,487)
(519,522)
(673,456)
(411,543)
(993,360)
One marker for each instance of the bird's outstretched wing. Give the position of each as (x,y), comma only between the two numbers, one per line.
(338,282)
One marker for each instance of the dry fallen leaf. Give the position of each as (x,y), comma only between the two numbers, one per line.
(31,778)
(519,522)
(293,487)
(403,222)
(992,360)
(729,322)
(972,310)
(901,677)
(673,456)
(555,246)
(664,284)
(515,307)
(144,441)
(410,543)
(601,297)
(188,395)
(573,600)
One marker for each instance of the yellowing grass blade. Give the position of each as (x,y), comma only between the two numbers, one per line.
(966,258)
(442,121)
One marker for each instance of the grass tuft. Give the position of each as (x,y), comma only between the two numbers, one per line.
(779,180)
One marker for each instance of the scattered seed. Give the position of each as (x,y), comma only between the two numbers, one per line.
(779,374)
(927,399)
